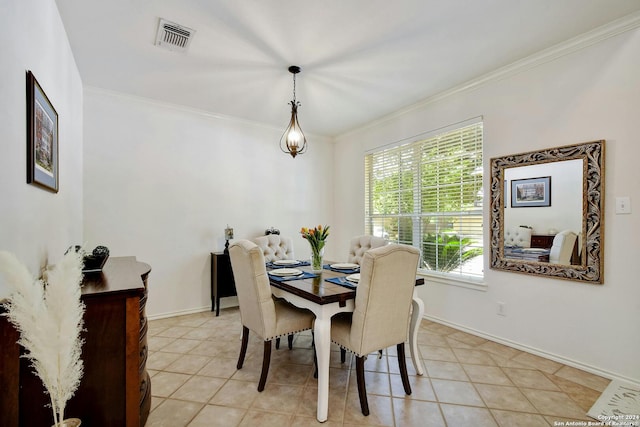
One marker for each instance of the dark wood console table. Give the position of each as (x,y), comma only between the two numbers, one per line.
(115,389)
(222,283)
(544,241)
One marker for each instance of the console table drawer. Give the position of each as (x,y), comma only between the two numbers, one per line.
(544,241)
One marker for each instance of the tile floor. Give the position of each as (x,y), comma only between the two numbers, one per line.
(469,381)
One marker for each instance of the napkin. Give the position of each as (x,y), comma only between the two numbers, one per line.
(342,281)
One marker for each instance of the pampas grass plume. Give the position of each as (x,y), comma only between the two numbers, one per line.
(49,319)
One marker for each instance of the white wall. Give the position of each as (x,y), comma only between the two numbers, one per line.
(35,224)
(588,95)
(565,212)
(163,182)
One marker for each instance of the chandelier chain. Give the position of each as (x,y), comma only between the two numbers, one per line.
(294,88)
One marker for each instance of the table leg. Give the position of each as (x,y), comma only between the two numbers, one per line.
(322,337)
(416,317)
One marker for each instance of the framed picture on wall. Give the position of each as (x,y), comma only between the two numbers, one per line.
(42,137)
(531,192)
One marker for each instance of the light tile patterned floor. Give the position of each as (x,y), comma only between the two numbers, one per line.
(469,381)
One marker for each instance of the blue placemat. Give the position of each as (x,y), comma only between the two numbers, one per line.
(342,282)
(304,275)
(270,264)
(530,252)
(341,270)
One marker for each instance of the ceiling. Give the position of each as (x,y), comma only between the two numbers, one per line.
(360,59)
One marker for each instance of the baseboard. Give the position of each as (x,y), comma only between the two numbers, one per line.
(179,313)
(537,352)
(224,303)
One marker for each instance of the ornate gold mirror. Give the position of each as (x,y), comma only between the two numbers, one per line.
(547,212)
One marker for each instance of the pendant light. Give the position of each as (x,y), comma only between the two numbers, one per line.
(293,140)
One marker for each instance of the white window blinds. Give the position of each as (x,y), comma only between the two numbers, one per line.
(428,194)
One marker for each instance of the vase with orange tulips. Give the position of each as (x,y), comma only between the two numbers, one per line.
(316,237)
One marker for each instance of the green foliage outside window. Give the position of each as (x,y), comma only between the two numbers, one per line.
(447,252)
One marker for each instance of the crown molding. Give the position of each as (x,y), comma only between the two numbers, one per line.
(590,38)
(176,107)
(189,110)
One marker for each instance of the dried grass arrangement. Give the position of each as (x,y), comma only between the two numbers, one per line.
(49,317)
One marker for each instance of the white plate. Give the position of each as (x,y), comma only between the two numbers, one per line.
(355,278)
(286,262)
(344,266)
(285,272)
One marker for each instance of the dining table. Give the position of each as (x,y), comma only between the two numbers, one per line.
(325,294)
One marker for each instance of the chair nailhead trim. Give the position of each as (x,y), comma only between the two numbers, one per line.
(286,334)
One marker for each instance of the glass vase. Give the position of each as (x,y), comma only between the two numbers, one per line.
(316,260)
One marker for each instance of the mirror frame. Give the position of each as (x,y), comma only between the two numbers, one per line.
(591,270)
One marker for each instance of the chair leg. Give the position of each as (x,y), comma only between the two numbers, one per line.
(266,358)
(343,355)
(243,346)
(402,364)
(379,354)
(289,339)
(362,389)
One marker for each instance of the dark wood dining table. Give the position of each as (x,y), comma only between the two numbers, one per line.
(325,299)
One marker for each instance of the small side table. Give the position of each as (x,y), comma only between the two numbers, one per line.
(222,283)
(544,241)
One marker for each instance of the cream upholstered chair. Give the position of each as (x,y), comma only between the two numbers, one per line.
(562,247)
(275,247)
(517,236)
(382,310)
(360,244)
(259,311)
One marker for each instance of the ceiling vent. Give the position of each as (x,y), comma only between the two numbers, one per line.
(172,36)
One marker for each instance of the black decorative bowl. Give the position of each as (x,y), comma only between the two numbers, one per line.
(96,260)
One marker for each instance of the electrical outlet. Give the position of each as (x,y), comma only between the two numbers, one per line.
(623,205)
(501,309)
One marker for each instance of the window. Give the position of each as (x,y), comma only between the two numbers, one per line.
(428,194)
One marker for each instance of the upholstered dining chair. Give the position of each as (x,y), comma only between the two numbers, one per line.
(382,310)
(357,247)
(275,247)
(259,311)
(360,244)
(562,247)
(517,236)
